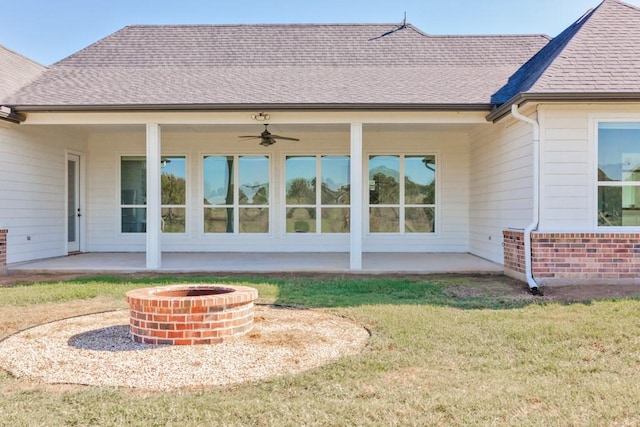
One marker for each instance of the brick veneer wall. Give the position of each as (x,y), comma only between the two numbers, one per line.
(3,251)
(575,258)
(586,257)
(513,242)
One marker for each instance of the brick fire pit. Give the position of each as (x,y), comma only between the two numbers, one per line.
(190,314)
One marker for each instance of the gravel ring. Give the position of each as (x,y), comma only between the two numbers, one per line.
(97,350)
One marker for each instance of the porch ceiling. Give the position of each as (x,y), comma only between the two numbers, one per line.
(274,127)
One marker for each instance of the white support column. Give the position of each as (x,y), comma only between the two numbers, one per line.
(357,198)
(154,250)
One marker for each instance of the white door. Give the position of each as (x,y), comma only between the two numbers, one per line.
(73,203)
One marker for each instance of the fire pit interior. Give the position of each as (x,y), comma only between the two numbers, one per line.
(190,314)
(198,292)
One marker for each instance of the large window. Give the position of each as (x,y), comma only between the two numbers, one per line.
(618,174)
(133,194)
(236,194)
(402,193)
(317,209)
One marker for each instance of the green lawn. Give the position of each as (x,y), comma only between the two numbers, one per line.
(446,350)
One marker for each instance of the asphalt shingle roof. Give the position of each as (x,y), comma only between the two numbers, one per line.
(16,71)
(280,64)
(599,53)
(208,66)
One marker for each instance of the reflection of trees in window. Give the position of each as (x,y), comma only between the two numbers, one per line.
(301,191)
(402,194)
(227,210)
(173,193)
(385,191)
(419,194)
(311,208)
(174,189)
(339,196)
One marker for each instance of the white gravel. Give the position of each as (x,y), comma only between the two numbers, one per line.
(96,350)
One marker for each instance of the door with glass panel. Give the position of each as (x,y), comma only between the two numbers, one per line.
(73,203)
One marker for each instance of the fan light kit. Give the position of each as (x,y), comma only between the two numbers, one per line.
(261,117)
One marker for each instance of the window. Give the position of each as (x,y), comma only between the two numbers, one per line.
(402,196)
(313,209)
(236,194)
(174,194)
(618,174)
(133,194)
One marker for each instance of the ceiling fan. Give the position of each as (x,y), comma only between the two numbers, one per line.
(267,138)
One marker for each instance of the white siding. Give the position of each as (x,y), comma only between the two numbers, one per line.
(564,171)
(32,190)
(105,148)
(568,163)
(500,184)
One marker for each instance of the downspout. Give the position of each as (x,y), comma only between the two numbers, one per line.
(533,286)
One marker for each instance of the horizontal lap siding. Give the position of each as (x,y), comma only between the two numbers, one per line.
(101,188)
(565,200)
(32,190)
(500,185)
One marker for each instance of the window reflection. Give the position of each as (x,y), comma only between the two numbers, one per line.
(402,193)
(618,174)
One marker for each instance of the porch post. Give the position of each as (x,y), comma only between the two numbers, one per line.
(355,262)
(154,251)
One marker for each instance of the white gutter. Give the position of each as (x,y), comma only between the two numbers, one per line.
(533,286)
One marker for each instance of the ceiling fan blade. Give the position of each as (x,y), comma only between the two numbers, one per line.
(250,136)
(284,137)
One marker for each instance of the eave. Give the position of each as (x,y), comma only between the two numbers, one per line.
(251,107)
(504,109)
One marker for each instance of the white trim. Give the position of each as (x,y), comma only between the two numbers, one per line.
(592,173)
(594,121)
(244,117)
(401,205)
(357,197)
(187,196)
(236,195)
(81,202)
(154,198)
(318,206)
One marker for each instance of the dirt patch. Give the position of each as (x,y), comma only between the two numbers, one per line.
(590,292)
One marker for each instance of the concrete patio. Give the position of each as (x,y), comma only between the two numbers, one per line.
(373,263)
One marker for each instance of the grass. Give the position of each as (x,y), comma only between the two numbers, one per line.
(444,351)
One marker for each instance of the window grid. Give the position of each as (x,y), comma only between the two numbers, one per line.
(609,213)
(319,207)
(401,205)
(237,207)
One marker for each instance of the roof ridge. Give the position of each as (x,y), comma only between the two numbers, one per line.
(622,3)
(490,35)
(295,24)
(581,23)
(22,56)
(333,24)
(533,70)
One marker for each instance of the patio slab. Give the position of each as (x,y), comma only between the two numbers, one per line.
(373,263)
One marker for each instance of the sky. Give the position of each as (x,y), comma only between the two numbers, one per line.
(50,30)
